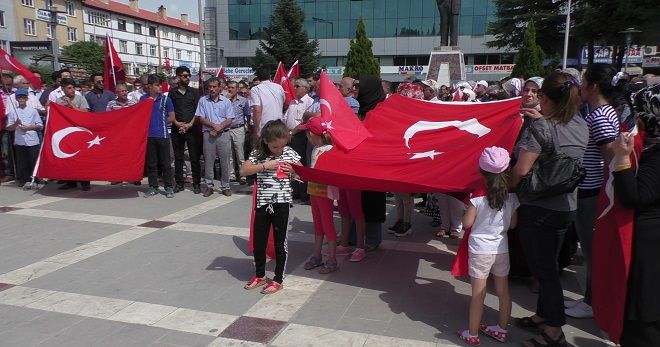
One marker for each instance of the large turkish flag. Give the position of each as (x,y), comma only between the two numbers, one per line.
(104,146)
(420,146)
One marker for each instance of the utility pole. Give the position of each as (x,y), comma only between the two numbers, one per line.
(202,59)
(53,28)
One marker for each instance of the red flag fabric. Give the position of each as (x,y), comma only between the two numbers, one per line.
(282,79)
(460,266)
(113,67)
(295,70)
(221,72)
(611,252)
(270,246)
(84,146)
(345,127)
(418,146)
(7,62)
(164,87)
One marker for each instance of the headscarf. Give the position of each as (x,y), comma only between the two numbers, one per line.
(410,90)
(646,103)
(370,94)
(513,87)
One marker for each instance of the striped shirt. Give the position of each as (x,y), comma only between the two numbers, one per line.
(270,189)
(117,105)
(603,124)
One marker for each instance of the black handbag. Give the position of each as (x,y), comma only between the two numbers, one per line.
(554,173)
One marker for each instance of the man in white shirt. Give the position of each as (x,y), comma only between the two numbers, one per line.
(267,101)
(299,143)
(139,90)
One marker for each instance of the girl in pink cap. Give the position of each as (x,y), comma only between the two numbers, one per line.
(490,214)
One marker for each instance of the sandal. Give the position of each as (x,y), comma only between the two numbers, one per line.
(442,233)
(313,262)
(272,288)
(497,335)
(560,342)
(528,324)
(454,234)
(328,267)
(465,336)
(255,282)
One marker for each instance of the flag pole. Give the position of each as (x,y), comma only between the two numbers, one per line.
(291,70)
(108,43)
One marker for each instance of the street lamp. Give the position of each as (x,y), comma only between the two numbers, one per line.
(568,25)
(332,25)
(53,11)
(629,33)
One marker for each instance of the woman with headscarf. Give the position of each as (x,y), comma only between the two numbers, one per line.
(640,191)
(373,203)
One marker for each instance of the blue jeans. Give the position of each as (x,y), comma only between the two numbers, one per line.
(542,234)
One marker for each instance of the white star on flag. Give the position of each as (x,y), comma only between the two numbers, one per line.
(96,141)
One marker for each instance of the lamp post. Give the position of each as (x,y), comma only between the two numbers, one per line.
(53,11)
(202,43)
(332,25)
(629,33)
(568,25)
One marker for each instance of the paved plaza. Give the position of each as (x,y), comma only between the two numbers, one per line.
(110,268)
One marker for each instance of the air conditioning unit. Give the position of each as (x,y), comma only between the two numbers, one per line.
(650,50)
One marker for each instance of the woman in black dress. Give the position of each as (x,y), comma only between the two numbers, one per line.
(640,191)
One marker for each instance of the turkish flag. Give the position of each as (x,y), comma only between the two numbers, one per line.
(7,62)
(105,146)
(343,124)
(221,72)
(113,67)
(418,146)
(282,79)
(295,70)
(611,252)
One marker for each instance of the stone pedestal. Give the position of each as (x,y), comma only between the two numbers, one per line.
(446,65)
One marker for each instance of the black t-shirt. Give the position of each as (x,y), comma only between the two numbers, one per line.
(184,104)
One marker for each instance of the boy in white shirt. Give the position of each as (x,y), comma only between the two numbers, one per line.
(25,122)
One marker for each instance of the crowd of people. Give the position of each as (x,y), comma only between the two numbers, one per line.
(245,132)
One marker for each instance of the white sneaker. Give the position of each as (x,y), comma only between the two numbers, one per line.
(581,310)
(572,303)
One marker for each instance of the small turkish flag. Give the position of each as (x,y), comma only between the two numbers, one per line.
(221,72)
(84,146)
(113,67)
(282,79)
(7,62)
(345,127)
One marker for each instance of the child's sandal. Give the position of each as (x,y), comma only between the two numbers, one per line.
(497,335)
(272,288)
(465,336)
(442,233)
(255,282)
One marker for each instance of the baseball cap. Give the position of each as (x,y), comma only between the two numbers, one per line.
(315,125)
(21,92)
(483,83)
(494,160)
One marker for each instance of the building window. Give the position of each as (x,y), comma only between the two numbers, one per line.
(98,19)
(49,3)
(189,38)
(177,36)
(152,31)
(123,46)
(138,48)
(164,34)
(4,45)
(2,19)
(178,54)
(72,33)
(29,27)
(27,3)
(121,24)
(70,8)
(166,52)
(152,50)
(189,55)
(137,28)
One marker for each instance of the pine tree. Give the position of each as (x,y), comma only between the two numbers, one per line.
(287,41)
(529,60)
(360,59)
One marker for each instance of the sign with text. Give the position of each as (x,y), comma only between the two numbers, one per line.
(504,69)
(604,54)
(411,70)
(44,15)
(30,53)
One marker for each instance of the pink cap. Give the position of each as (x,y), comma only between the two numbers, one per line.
(315,125)
(494,160)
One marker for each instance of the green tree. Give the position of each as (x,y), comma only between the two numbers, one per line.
(529,59)
(553,64)
(360,59)
(286,40)
(89,54)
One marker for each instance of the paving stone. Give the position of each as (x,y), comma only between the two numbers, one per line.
(253,329)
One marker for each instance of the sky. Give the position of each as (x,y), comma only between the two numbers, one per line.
(174,8)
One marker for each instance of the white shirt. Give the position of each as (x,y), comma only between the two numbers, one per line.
(294,114)
(270,96)
(58,93)
(28,116)
(136,95)
(488,235)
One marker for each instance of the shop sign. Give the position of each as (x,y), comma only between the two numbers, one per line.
(411,70)
(489,69)
(44,15)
